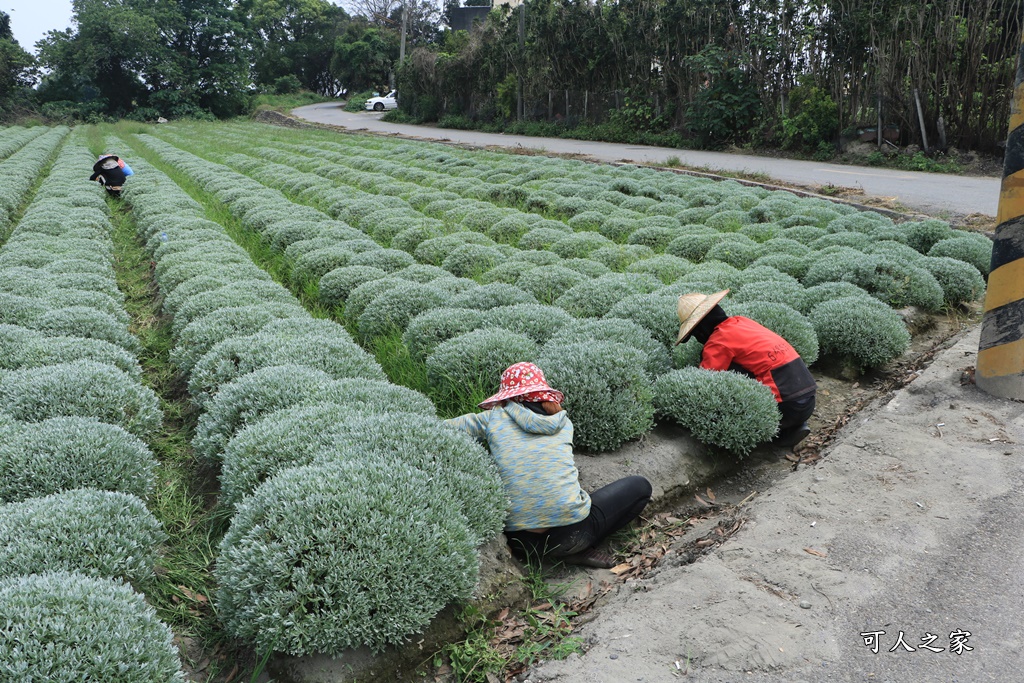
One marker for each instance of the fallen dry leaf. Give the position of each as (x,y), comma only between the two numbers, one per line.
(817,553)
(621,568)
(711,494)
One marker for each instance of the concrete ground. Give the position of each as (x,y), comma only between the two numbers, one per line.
(930,193)
(910,523)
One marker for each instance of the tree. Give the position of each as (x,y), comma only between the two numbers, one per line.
(364,55)
(16,65)
(180,56)
(294,38)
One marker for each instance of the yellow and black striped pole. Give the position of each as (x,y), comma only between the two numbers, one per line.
(1000,369)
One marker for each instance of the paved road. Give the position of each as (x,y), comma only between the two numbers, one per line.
(926,192)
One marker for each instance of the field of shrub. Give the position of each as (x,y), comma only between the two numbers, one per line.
(327,299)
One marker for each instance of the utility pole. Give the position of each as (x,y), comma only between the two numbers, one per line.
(1000,369)
(520,104)
(405,23)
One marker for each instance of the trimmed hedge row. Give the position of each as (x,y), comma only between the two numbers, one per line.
(73,470)
(267,363)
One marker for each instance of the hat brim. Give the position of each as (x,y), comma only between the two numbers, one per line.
(702,309)
(520,391)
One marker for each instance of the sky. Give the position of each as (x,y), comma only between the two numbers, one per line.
(31,19)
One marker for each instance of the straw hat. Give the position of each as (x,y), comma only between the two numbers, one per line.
(693,307)
(522,379)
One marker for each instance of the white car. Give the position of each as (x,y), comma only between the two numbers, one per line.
(389,101)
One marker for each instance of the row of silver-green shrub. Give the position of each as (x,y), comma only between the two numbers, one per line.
(28,155)
(76,538)
(356,515)
(811,286)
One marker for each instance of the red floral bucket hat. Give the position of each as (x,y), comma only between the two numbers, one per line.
(525,381)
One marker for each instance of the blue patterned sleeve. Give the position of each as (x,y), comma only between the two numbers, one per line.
(474,424)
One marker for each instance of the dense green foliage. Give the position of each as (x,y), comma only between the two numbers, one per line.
(63,626)
(335,555)
(724,409)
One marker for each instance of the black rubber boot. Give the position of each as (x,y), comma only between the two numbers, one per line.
(792,436)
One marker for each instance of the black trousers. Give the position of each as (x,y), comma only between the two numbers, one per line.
(611,508)
(795,413)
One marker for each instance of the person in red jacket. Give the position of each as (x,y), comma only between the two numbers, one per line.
(741,344)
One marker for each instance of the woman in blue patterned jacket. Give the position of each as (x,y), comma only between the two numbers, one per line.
(530,437)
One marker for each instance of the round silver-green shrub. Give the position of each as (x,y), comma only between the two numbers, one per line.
(854,240)
(62,626)
(541,238)
(318,344)
(866,335)
(724,409)
(760,232)
(621,331)
(40,350)
(782,292)
(428,329)
(314,264)
(657,237)
(240,293)
(620,256)
(509,229)
(729,220)
(579,245)
(961,282)
(335,555)
(103,534)
(923,235)
(471,364)
(536,321)
(391,311)
(654,312)
(486,297)
(618,229)
(202,334)
(897,282)
(787,263)
(82,321)
(735,249)
(692,246)
(436,249)
(587,221)
(361,296)
(82,388)
(193,286)
(247,398)
(804,233)
(63,453)
(410,238)
(508,272)
(585,266)
(547,283)
(105,302)
(462,470)
(827,291)
(337,285)
(594,298)
(607,391)
(471,260)
(972,248)
(388,260)
(665,267)
(422,273)
(783,320)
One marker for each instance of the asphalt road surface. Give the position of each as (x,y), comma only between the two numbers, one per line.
(931,193)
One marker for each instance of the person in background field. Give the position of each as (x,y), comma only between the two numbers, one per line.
(741,344)
(530,437)
(111,172)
